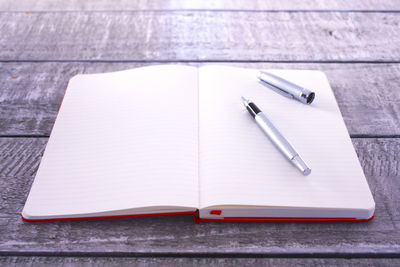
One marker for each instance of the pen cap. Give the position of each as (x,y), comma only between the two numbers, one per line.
(286,88)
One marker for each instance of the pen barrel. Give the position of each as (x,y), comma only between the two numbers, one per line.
(287,88)
(275,136)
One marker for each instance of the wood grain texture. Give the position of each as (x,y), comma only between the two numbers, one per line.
(196,35)
(104,5)
(125,261)
(197,31)
(178,235)
(31,93)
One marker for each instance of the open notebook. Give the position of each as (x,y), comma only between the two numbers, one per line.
(177,140)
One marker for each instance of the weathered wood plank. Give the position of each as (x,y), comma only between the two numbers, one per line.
(31,93)
(104,5)
(176,235)
(195,35)
(125,261)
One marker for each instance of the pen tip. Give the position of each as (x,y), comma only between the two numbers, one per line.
(245,100)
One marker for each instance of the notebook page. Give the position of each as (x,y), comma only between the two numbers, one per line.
(121,140)
(240,166)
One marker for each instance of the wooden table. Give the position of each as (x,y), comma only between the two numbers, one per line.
(44,43)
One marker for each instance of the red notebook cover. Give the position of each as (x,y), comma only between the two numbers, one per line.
(195,217)
(197,220)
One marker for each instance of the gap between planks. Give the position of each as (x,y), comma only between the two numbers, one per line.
(379,255)
(208,10)
(198,61)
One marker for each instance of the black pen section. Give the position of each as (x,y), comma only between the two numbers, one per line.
(253,109)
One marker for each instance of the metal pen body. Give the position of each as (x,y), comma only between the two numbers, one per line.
(280,142)
(275,136)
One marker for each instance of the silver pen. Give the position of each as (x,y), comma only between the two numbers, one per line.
(286,88)
(276,137)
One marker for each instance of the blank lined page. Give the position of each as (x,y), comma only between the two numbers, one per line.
(240,166)
(121,140)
